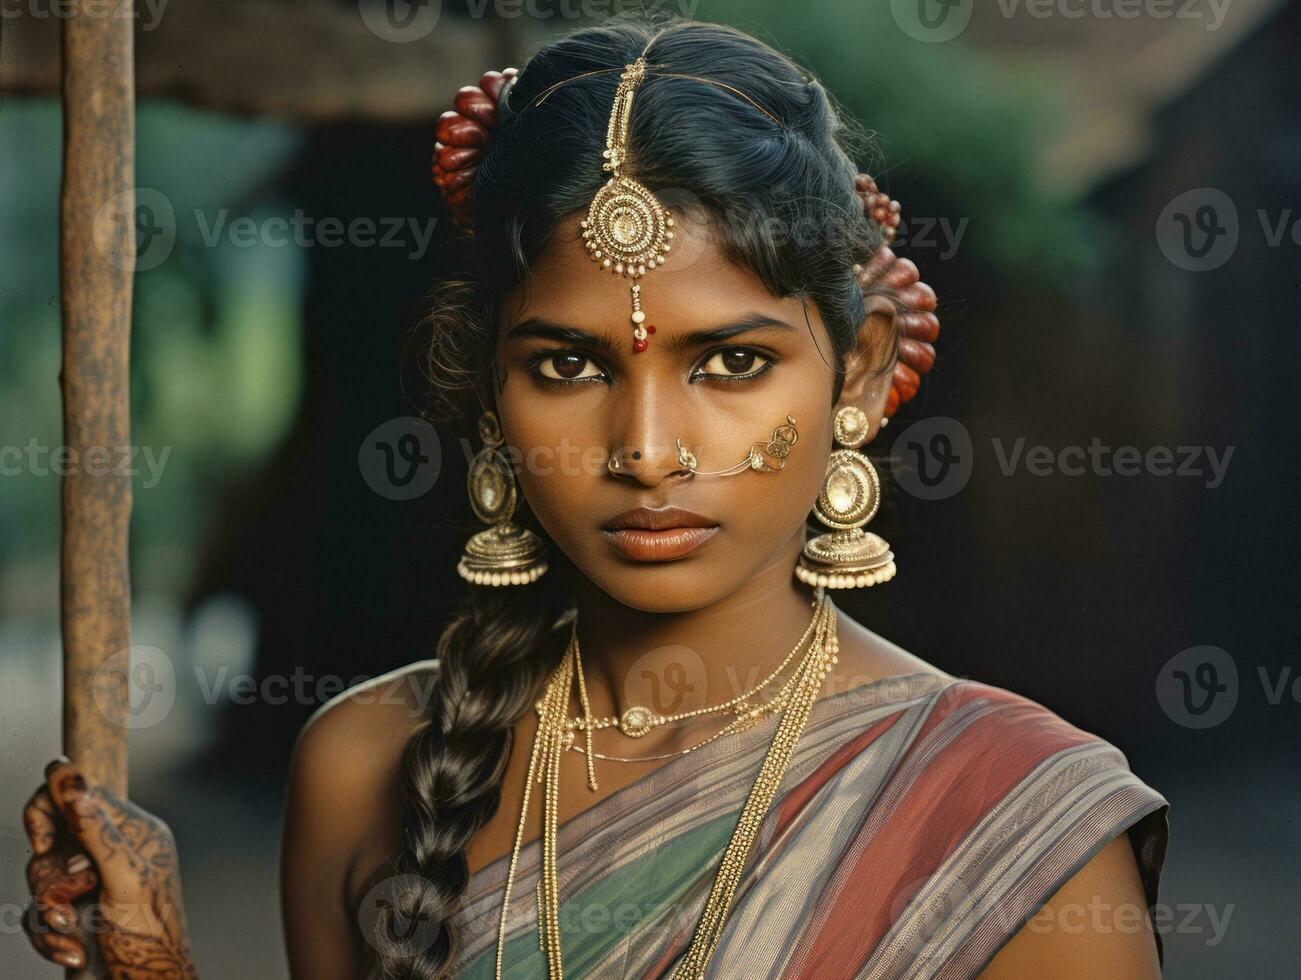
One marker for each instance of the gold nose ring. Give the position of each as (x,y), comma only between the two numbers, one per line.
(765,455)
(615,465)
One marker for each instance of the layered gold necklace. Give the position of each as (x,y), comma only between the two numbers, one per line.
(556,734)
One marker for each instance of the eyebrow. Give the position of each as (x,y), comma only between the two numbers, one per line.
(562,333)
(536,326)
(752,323)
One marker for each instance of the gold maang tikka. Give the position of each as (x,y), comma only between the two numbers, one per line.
(627,230)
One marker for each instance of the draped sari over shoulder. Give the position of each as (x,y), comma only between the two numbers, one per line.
(923,820)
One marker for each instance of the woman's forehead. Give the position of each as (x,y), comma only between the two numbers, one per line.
(698,285)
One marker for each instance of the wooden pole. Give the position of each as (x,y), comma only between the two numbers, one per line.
(96,262)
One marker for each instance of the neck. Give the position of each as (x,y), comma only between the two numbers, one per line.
(673,662)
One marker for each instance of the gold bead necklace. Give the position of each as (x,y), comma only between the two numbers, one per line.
(554,735)
(637,720)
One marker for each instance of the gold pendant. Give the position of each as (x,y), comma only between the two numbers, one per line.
(636,721)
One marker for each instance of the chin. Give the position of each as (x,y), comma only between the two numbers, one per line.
(663,587)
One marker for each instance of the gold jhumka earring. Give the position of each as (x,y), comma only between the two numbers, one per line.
(627,230)
(765,455)
(848,557)
(504,554)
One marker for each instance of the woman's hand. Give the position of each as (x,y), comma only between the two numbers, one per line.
(84,837)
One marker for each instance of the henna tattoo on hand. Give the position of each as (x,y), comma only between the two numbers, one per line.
(144,934)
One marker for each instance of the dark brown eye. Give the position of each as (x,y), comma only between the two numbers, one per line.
(567,366)
(738,361)
(733,362)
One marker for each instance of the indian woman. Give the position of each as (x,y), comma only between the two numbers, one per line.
(651,744)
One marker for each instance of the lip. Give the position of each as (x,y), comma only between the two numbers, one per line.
(665,534)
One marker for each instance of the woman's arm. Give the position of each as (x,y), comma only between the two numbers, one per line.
(341,819)
(1096,925)
(314,856)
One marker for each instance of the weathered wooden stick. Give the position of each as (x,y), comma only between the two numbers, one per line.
(97,245)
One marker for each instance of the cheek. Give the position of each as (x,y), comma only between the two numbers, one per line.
(772,506)
(559,454)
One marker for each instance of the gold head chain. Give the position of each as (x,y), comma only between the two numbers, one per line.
(627,229)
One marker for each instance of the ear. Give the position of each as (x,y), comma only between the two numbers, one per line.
(869,367)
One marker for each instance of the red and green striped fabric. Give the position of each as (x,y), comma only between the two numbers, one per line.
(922,821)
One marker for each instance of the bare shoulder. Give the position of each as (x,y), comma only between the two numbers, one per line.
(342,809)
(352,736)
(871,656)
(1096,925)
(343,778)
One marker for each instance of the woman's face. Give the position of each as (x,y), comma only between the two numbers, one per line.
(725,366)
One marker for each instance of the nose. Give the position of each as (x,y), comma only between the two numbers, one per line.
(643,446)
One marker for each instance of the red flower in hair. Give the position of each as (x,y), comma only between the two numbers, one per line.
(918,325)
(463,134)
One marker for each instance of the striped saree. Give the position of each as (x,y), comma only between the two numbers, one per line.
(922,821)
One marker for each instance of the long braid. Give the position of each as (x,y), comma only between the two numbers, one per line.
(493,657)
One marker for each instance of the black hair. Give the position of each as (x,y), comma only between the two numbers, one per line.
(779,196)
